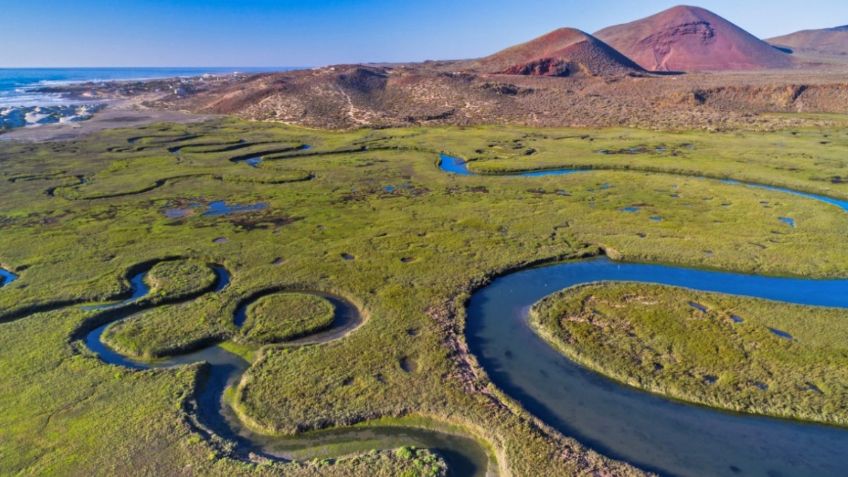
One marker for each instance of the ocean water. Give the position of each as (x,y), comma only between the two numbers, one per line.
(22,105)
(18,85)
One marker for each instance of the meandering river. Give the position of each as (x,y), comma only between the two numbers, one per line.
(465,457)
(655,433)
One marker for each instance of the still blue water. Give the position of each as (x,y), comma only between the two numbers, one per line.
(220,207)
(6,277)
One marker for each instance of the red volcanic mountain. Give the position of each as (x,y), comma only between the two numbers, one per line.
(687,38)
(832,41)
(563,52)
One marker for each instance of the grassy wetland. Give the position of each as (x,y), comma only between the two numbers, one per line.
(367,216)
(740,354)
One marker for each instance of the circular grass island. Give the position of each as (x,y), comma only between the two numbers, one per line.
(736,353)
(179,278)
(286,316)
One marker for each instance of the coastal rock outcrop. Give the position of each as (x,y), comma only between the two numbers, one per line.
(12,117)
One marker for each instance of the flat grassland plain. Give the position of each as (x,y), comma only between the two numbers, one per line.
(368,216)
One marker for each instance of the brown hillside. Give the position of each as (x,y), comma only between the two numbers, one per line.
(352,96)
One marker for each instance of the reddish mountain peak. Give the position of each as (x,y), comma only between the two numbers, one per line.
(563,35)
(562,52)
(686,38)
(678,12)
(691,10)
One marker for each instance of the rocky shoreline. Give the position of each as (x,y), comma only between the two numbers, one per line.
(12,117)
(79,102)
(176,87)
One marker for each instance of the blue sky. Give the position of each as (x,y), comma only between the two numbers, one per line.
(312,33)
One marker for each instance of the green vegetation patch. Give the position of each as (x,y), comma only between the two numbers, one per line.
(382,225)
(179,278)
(423,462)
(286,316)
(403,462)
(170,329)
(741,354)
(122,177)
(267,175)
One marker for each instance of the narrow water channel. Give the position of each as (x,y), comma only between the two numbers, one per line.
(457,166)
(649,431)
(464,456)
